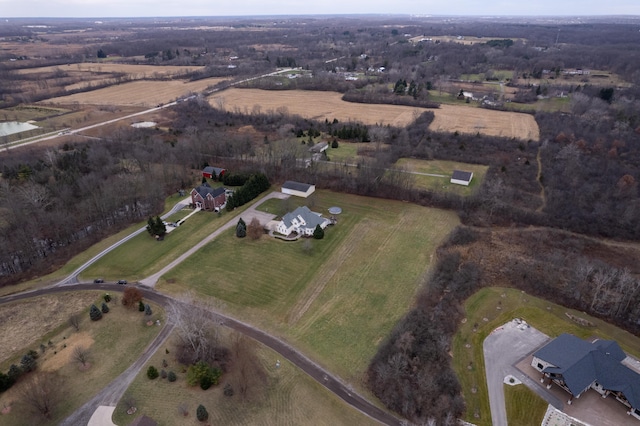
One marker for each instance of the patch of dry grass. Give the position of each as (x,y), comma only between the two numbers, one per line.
(329,105)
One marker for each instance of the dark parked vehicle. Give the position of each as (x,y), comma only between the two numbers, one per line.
(98,281)
(122,282)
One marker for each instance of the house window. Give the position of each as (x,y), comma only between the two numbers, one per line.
(540,367)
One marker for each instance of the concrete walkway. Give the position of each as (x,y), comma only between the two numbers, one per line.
(102,416)
(248,215)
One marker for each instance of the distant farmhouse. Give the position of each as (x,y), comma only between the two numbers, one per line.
(301,221)
(577,365)
(213,172)
(460,177)
(318,148)
(298,189)
(208,198)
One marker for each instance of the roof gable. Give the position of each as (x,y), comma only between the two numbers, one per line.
(581,363)
(296,186)
(205,190)
(310,219)
(462,175)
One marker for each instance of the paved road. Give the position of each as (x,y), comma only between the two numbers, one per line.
(504,348)
(114,391)
(73,278)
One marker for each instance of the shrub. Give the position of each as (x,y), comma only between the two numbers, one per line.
(105,308)
(228,390)
(107,298)
(171,376)
(204,375)
(152,372)
(5,382)
(94,313)
(147,309)
(201,413)
(14,372)
(141,306)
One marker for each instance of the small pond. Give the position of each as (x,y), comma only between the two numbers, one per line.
(11,127)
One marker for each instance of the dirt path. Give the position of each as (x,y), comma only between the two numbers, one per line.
(114,391)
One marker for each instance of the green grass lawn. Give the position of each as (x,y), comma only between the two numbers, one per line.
(446,168)
(498,306)
(111,351)
(290,397)
(324,295)
(142,255)
(524,406)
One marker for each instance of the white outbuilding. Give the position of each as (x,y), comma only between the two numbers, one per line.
(298,189)
(460,177)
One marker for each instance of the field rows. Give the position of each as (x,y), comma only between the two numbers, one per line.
(137,93)
(135,71)
(329,105)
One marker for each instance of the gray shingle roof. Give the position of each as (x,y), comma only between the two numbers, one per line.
(205,189)
(296,186)
(462,175)
(310,218)
(581,363)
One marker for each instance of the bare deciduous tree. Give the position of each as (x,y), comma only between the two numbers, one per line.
(41,394)
(248,373)
(74,320)
(255,230)
(81,354)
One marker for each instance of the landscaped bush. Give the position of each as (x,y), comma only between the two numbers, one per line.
(94,313)
(152,372)
(105,308)
(318,233)
(228,390)
(147,309)
(201,413)
(203,374)
(107,298)
(172,376)
(140,306)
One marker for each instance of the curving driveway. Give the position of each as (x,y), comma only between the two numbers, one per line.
(110,395)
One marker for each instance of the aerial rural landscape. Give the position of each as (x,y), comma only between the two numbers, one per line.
(320,220)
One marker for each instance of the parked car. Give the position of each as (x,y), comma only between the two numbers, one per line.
(98,281)
(122,282)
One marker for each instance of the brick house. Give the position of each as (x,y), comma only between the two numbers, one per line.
(208,198)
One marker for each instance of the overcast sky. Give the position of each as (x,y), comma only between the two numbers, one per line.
(143,8)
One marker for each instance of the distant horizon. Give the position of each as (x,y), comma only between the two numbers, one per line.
(130,9)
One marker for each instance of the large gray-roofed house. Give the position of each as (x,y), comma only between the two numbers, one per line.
(302,221)
(577,365)
(297,188)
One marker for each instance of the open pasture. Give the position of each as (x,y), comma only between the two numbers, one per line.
(442,167)
(324,295)
(137,93)
(329,105)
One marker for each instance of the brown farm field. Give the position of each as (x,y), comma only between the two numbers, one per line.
(329,105)
(464,119)
(134,71)
(138,93)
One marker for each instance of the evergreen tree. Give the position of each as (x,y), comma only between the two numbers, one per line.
(14,372)
(105,308)
(141,306)
(147,309)
(171,376)
(201,413)
(318,233)
(94,313)
(241,229)
(28,363)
